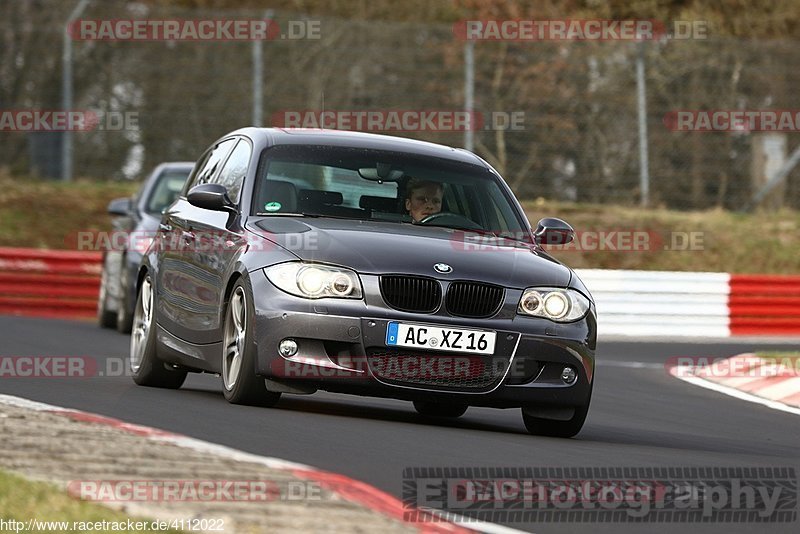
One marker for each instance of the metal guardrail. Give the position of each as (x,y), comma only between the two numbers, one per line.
(761,304)
(668,303)
(49,283)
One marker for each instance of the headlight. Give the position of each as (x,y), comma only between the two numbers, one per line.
(315,281)
(556,304)
(140,243)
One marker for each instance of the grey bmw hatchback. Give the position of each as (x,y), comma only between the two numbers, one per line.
(299,260)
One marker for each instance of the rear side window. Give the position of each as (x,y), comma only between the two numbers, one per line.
(211,162)
(235,169)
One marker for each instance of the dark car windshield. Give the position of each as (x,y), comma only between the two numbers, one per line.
(382,185)
(166,189)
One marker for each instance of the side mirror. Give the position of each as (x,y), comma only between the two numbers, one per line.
(120,207)
(552,231)
(211,197)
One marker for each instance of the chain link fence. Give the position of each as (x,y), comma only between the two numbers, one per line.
(577,140)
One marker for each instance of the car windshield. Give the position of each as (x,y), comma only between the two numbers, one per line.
(166,189)
(381,185)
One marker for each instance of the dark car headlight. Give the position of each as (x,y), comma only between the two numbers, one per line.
(557,304)
(314,280)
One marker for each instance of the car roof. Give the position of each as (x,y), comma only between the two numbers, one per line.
(342,138)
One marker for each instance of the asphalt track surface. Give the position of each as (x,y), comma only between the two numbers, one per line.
(640,416)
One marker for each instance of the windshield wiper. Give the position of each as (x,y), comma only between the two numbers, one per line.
(501,236)
(453,227)
(286,214)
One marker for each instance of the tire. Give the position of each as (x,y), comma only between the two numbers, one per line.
(124,319)
(240,384)
(440,409)
(105,318)
(146,367)
(539,426)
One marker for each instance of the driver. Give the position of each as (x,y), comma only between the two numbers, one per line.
(423,198)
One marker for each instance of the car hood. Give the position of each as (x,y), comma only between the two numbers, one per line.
(371,247)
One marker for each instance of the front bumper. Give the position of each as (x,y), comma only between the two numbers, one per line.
(340,341)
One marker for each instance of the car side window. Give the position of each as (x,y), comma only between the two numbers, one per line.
(199,166)
(507,221)
(456,197)
(233,172)
(167,187)
(213,160)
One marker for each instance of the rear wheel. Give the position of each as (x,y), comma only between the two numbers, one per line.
(240,384)
(106,318)
(439,409)
(147,369)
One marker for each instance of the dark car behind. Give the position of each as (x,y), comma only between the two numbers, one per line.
(137,218)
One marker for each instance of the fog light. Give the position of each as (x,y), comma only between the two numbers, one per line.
(287,347)
(568,375)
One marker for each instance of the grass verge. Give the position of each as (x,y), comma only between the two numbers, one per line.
(786,359)
(713,240)
(22,500)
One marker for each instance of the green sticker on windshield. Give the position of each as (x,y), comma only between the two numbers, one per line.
(272,206)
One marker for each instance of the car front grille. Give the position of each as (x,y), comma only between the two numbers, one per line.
(449,372)
(474,299)
(416,294)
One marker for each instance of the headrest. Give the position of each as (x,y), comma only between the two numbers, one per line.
(314,196)
(285,193)
(383,204)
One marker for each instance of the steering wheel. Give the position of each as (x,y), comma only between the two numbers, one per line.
(448,218)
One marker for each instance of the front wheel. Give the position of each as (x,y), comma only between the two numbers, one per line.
(240,384)
(439,409)
(147,369)
(568,428)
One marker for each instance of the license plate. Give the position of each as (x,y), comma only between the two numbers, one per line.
(423,336)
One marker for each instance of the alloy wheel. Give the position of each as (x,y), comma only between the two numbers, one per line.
(234,341)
